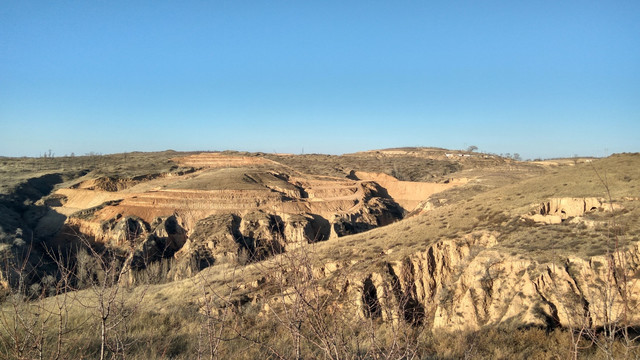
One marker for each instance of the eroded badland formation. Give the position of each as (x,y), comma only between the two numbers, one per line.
(363,255)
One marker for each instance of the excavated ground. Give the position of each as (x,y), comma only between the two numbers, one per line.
(237,184)
(289,207)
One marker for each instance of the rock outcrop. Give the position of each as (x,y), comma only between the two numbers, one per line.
(170,229)
(254,236)
(465,285)
(408,194)
(232,207)
(557,210)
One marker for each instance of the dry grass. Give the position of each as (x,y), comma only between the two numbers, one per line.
(176,332)
(408,168)
(232,179)
(500,210)
(15,170)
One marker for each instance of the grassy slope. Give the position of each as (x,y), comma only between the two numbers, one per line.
(499,209)
(15,170)
(407,167)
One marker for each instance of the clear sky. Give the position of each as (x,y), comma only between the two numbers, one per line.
(540,78)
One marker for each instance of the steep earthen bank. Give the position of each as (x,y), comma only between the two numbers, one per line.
(557,210)
(230,208)
(467,284)
(265,219)
(407,194)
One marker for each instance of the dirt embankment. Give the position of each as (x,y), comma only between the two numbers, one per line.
(252,209)
(289,207)
(464,285)
(310,208)
(407,194)
(217,160)
(467,283)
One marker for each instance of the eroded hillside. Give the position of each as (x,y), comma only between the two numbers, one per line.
(306,248)
(256,205)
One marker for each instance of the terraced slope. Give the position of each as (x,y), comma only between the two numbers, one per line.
(288,206)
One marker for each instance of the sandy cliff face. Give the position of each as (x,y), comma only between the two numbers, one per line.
(464,284)
(217,160)
(557,210)
(407,194)
(241,185)
(231,206)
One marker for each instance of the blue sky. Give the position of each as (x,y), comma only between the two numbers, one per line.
(540,78)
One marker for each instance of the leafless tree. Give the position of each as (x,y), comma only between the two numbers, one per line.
(321,316)
(18,322)
(110,299)
(58,305)
(215,304)
(613,303)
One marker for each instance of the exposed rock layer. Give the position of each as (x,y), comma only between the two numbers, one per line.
(232,207)
(465,284)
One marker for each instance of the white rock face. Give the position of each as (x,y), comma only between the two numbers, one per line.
(465,284)
(556,210)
